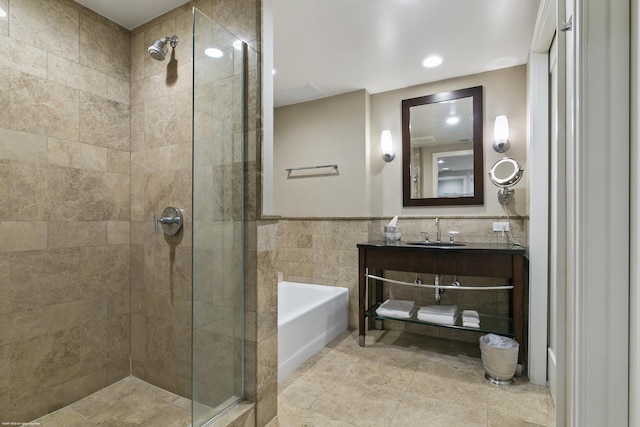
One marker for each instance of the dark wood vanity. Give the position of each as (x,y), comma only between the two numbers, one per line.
(497,260)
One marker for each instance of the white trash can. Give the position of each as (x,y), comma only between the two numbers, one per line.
(499,358)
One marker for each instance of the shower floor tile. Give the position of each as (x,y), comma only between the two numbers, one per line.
(129,402)
(401,379)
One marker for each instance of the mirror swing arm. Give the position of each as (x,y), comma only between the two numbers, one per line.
(477,198)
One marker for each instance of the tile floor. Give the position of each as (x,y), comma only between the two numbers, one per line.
(404,380)
(398,379)
(129,402)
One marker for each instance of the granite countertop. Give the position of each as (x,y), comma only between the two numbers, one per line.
(459,246)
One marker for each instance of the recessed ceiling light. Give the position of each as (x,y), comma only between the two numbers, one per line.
(452,120)
(432,61)
(213,52)
(440,162)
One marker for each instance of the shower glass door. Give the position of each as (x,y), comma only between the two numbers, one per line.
(219,64)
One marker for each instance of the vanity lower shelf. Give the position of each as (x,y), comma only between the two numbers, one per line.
(488,324)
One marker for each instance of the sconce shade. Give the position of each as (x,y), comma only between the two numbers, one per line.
(501,134)
(386,143)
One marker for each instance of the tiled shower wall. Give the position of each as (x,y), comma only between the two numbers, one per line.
(323,251)
(161,152)
(64,205)
(82,106)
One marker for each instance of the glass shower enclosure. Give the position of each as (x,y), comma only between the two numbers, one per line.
(219,106)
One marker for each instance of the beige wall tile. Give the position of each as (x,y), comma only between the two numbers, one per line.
(137,56)
(159,129)
(5,374)
(49,25)
(43,278)
(23,235)
(4,20)
(137,127)
(23,325)
(63,189)
(70,314)
(5,283)
(43,107)
(119,304)
(77,76)
(5,97)
(104,196)
(118,232)
(118,161)
(267,380)
(25,409)
(118,90)
(104,122)
(71,391)
(106,269)
(23,146)
(25,191)
(104,46)
(171,157)
(23,57)
(76,155)
(76,234)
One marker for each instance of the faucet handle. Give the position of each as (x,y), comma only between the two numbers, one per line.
(426,235)
(452,234)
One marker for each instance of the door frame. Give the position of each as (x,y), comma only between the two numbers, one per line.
(597,361)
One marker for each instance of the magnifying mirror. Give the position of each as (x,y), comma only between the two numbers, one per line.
(505,173)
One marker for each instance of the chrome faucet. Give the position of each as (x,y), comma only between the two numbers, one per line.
(437,230)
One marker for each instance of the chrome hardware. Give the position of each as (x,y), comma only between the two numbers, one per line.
(437,230)
(171,221)
(437,292)
(567,25)
(426,235)
(452,234)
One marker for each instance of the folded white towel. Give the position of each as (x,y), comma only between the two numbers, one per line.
(468,324)
(444,319)
(400,309)
(470,316)
(439,309)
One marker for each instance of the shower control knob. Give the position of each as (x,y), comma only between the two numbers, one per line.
(171,221)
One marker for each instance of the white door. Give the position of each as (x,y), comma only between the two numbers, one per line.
(557,220)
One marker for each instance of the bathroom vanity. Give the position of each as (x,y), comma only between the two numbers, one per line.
(502,261)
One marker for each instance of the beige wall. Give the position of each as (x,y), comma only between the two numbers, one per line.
(324,132)
(312,132)
(504,92)
(64,206)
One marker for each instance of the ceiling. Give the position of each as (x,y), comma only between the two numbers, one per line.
(327,47)
(131,13)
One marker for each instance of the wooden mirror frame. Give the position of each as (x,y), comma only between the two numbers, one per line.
(478,149)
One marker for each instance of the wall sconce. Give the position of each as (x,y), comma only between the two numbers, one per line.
(501,134)
(386,143)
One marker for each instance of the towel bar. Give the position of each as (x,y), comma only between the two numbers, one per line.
(289,170)
(424,285)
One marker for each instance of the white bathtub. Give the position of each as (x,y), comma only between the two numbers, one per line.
(309,318)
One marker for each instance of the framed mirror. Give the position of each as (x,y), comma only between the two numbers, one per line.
(442,154)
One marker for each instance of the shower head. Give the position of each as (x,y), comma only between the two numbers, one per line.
(158,49)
